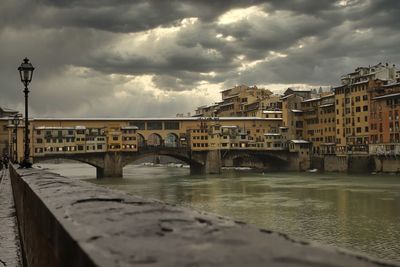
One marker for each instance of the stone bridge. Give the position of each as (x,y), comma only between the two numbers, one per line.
(111,164)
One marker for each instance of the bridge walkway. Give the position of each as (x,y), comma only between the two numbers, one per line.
(10,252)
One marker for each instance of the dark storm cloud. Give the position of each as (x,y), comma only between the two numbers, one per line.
(82,49)
(116,16)
(310,7)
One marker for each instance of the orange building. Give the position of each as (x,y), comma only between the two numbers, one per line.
(385,119)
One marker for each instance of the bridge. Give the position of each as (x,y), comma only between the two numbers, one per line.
(111,164)
(206,144)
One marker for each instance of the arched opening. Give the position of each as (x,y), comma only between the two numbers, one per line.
(154,140)
(248,161)
(141,141)
(171,140)
(67,167)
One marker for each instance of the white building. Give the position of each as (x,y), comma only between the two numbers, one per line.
(385,72)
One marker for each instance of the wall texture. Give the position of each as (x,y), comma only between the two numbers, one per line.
(66,222)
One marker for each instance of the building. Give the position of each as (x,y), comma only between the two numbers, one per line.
(319,123)
(292,115)
(385,120)
(6,115)
(383,72)
(6,112)
(239,101)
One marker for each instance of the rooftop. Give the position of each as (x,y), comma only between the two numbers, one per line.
(299,141)
(311,99)
(360,82)
(387,96)
(231,96)
(326,105)
(272,111)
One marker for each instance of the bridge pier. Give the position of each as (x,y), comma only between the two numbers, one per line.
(112,166)
(212,162)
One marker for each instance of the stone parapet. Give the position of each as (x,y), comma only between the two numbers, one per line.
(67,222)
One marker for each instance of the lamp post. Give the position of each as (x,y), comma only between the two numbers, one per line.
(16,123)
(26,72)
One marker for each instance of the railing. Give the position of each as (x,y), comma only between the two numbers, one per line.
(148,148)
(388,149)
(357,149)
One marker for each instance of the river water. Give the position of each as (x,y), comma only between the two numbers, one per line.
(358,212)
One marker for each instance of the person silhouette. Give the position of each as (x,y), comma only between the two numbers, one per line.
(5,160)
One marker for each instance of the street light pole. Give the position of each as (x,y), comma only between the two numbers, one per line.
(16,123)
(26,72)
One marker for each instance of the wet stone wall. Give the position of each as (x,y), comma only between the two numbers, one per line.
(66,222)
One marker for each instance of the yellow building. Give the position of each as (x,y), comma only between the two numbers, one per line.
(240,101)
(319,123)
(292,115)
(352,102)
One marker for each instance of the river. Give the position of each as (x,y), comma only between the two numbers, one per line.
(358,212)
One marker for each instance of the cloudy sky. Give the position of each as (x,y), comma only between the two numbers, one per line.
(123,58)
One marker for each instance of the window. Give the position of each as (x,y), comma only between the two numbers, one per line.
(115,138)
(139,124)
(171,125)
(365,108)
(154,125)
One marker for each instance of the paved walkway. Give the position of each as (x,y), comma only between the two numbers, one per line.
(9,243)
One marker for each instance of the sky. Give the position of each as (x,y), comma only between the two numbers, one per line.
(123,58)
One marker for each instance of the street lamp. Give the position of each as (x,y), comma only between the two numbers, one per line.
(26,72)
(16,123)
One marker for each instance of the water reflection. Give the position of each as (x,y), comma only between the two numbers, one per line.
(357,212)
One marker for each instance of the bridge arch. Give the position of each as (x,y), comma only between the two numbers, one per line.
(94,161)
(180,155)
(254,159)
(141,140)
(172,140)
(154,140)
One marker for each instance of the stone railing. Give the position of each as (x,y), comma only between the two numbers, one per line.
(67,222)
